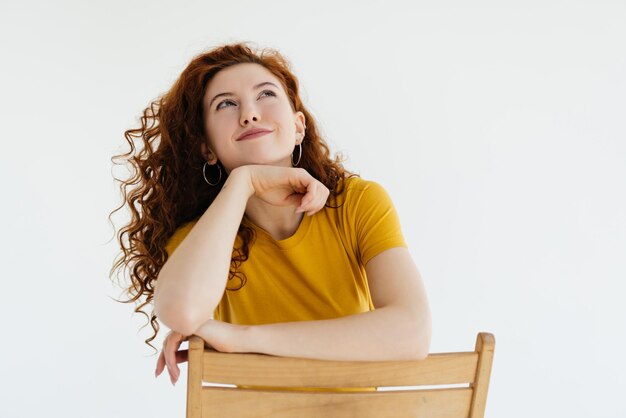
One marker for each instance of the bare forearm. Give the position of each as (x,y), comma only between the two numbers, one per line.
(390,333)
(192,281)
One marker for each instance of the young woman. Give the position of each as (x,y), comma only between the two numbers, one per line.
(245,233)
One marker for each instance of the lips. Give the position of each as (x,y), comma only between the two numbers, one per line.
(253,133)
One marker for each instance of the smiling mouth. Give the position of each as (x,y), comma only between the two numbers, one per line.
(256,135)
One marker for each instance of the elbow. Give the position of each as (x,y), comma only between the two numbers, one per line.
(421,352)
(421,337)
(177,310)
(176,320)
(180,317)
(416,347)
(175,317)
(170,314)
(420,349)
(421,346)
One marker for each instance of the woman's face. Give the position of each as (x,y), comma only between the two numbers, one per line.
(250,103)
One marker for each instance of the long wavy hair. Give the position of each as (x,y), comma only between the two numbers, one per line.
(166,187)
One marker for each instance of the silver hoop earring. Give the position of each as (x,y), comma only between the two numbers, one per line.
(204,174)
(299,156)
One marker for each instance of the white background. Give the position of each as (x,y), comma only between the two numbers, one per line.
(497,128)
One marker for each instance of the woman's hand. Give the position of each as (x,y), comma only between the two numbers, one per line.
(221,336)
(170,355)
(287,186)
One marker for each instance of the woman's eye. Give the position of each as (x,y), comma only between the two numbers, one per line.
(219,106)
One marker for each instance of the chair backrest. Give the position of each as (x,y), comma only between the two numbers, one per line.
(469,371)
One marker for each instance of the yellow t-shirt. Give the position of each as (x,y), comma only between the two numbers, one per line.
(319,271)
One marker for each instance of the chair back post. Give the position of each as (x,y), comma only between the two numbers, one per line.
(485,345)
(194,377)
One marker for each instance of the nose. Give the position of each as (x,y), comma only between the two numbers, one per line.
(248,114)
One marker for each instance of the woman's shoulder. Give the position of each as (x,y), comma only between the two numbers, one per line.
(356,185)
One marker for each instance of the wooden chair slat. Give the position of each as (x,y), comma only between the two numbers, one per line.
(261,370)
(246,403)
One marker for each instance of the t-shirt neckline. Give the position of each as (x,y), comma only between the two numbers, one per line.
(288,242)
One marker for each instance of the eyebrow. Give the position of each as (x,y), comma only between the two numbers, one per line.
(232,94)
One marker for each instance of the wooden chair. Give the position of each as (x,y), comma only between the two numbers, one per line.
(207,365)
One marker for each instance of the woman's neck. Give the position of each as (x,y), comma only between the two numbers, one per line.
(280,222)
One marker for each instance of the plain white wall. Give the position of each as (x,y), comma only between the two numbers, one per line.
(497,128)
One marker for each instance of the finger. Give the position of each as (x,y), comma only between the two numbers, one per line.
(320,201)
(323,198)
(179,356)
(170,359)
(160,365)
(302,179)
(308,197)
(175,357)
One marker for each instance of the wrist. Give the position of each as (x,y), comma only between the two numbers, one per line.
(241,176)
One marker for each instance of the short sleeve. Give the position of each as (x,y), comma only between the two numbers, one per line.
(376,221)
(178,237)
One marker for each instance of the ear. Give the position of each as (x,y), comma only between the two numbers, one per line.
(300,122)
(207,153)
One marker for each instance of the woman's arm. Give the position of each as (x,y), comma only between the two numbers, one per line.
(399,328)
(192,281)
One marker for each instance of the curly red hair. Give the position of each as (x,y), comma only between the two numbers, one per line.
(166,187)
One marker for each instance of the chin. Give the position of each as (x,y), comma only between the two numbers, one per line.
(285,161)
